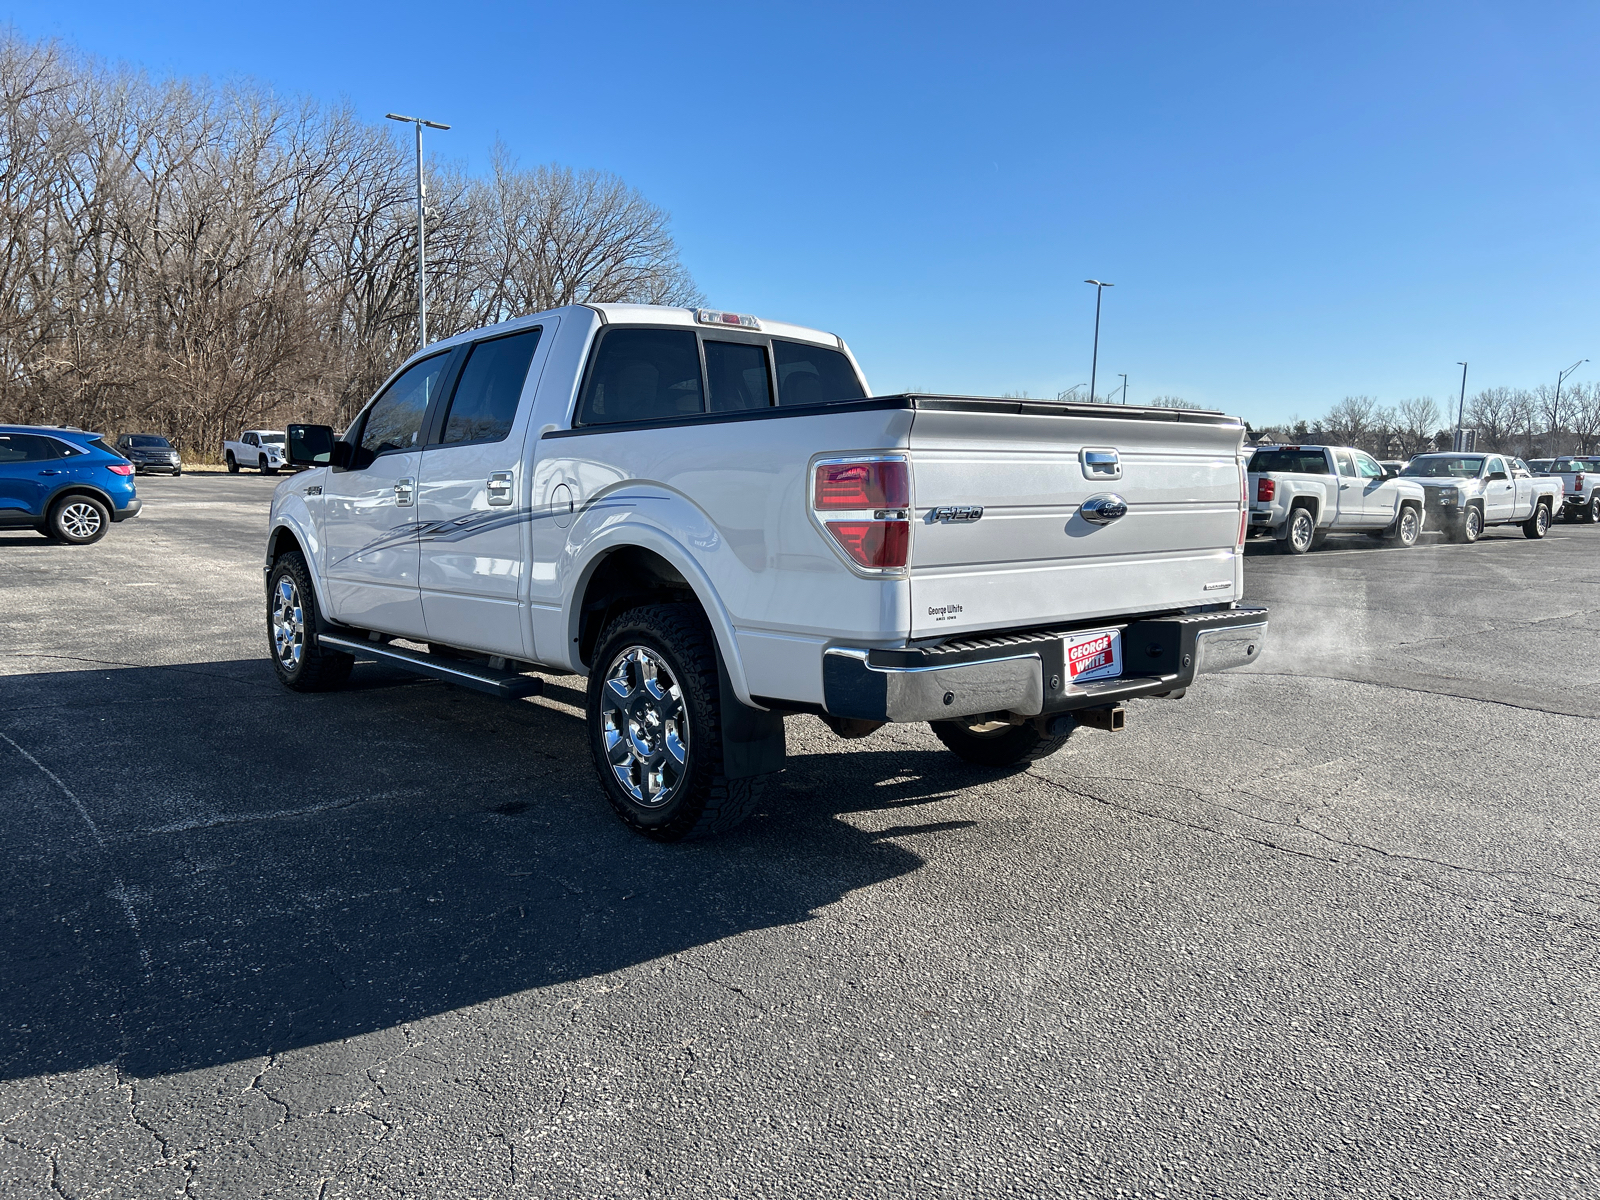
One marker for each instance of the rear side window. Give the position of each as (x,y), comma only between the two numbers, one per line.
(395,420)
(24,447)
(486,399)
(643,375)
(1303,462)
(814,375)
(736,373)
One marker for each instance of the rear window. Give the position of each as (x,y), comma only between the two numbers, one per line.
(485,403)
(643,375)
(1303,462)
(737,375)
(1570,464)
(814,375)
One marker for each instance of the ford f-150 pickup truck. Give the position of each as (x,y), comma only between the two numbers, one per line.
(710,517)
(1469,492)
(1301,494)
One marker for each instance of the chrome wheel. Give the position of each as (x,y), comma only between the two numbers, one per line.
(1474,524)
(80,520)
(1410,526)
(1301,530)
(1541,520)
(288,624)
(646,726)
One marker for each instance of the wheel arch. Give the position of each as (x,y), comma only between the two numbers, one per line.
(636,564)
(285,538)
(79,489)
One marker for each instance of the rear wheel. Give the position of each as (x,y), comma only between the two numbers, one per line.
(1301,536)
(989,743)
(77,520)
(233,464)
(655,726)
(297,656)
(1591,514)
(1538,525)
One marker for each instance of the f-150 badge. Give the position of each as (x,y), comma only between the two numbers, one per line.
(958,512)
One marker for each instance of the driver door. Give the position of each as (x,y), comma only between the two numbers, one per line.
(369,522)
(1522,479)
(1499,495)
(1380,497)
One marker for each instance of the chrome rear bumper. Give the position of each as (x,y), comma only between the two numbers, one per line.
(1023,673)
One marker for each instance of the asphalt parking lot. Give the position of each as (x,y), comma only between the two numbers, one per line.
(1325,928)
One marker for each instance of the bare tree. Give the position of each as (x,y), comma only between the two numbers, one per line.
(1171,402)
(1350,421)
(1416,421)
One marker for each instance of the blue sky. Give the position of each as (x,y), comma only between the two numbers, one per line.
(1296,202)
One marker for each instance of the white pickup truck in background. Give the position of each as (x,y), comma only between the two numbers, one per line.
(1467,493)
(263,449)
(710,517)
(1301,494)
(1580,487)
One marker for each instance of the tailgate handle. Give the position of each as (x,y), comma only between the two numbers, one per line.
(1100,463)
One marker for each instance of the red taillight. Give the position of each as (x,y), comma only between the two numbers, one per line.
(1266,489)
(862,485)
(1577,482)
(120,468)
(881,545)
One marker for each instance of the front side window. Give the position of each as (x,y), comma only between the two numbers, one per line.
(814,375)
(1495,464)
(736,375)
(25,447)
(394,422)
(1368,468)
(643,375)
(485,403)
(250,440)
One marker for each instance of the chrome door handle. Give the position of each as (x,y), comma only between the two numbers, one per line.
(404,492)
(500,488)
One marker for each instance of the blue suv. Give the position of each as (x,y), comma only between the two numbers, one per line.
(67,484)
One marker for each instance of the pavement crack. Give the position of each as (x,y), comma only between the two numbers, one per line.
(255,1086)
(724,984)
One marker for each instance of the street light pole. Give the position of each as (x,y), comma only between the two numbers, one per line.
(422,230)
(1095,362)
(1461,412)
(1124,375)
(1556,408)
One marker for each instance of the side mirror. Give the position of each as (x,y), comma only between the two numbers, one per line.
(311,445)
(1493,475)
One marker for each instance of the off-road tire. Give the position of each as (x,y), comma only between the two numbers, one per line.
(1468,527)
(1010,746)
(77,520)
(1536,526)
(704,801)
(1301,535)
(233,464)
(312,668)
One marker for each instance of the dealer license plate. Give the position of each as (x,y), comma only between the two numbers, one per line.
(1096,655)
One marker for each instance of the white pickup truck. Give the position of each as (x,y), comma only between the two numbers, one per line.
(1301,494)
(710,517)
(263,449)
(1580,487)
(1469,492)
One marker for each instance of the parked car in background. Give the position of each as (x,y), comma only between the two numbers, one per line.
(1301,494)
(1580,487)
(711,517)
(149,452)
(1469,492)
(1540,466)
(263,449)
(1391,466)
(66,483)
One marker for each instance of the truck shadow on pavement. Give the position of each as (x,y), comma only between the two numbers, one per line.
(201,867)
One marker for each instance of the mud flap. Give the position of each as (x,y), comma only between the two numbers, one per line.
(752,739)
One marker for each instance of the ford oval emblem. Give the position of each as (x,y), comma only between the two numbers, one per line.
(1103,509)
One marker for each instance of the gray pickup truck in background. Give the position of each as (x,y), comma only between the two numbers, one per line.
(1301,494)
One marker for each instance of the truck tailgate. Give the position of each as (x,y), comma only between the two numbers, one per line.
(1032,557)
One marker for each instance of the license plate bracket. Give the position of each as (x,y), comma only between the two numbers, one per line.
(1092,655)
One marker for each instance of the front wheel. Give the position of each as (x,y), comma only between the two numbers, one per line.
(988,743)
(77,521)
(655,726)
(297,656)
(1536,526)
(1468,527)
(1408,528)
(266,470)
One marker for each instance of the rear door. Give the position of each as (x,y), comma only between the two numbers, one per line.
(1004,535)
(473,501)
(369,525)
(1352,502)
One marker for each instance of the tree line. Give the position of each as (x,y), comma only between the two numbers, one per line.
(1529,423)
(184,258)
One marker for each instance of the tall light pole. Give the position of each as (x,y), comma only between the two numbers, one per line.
(1461,412)
(1555,410)
(422,230)
(1095,362)
(1124,375)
